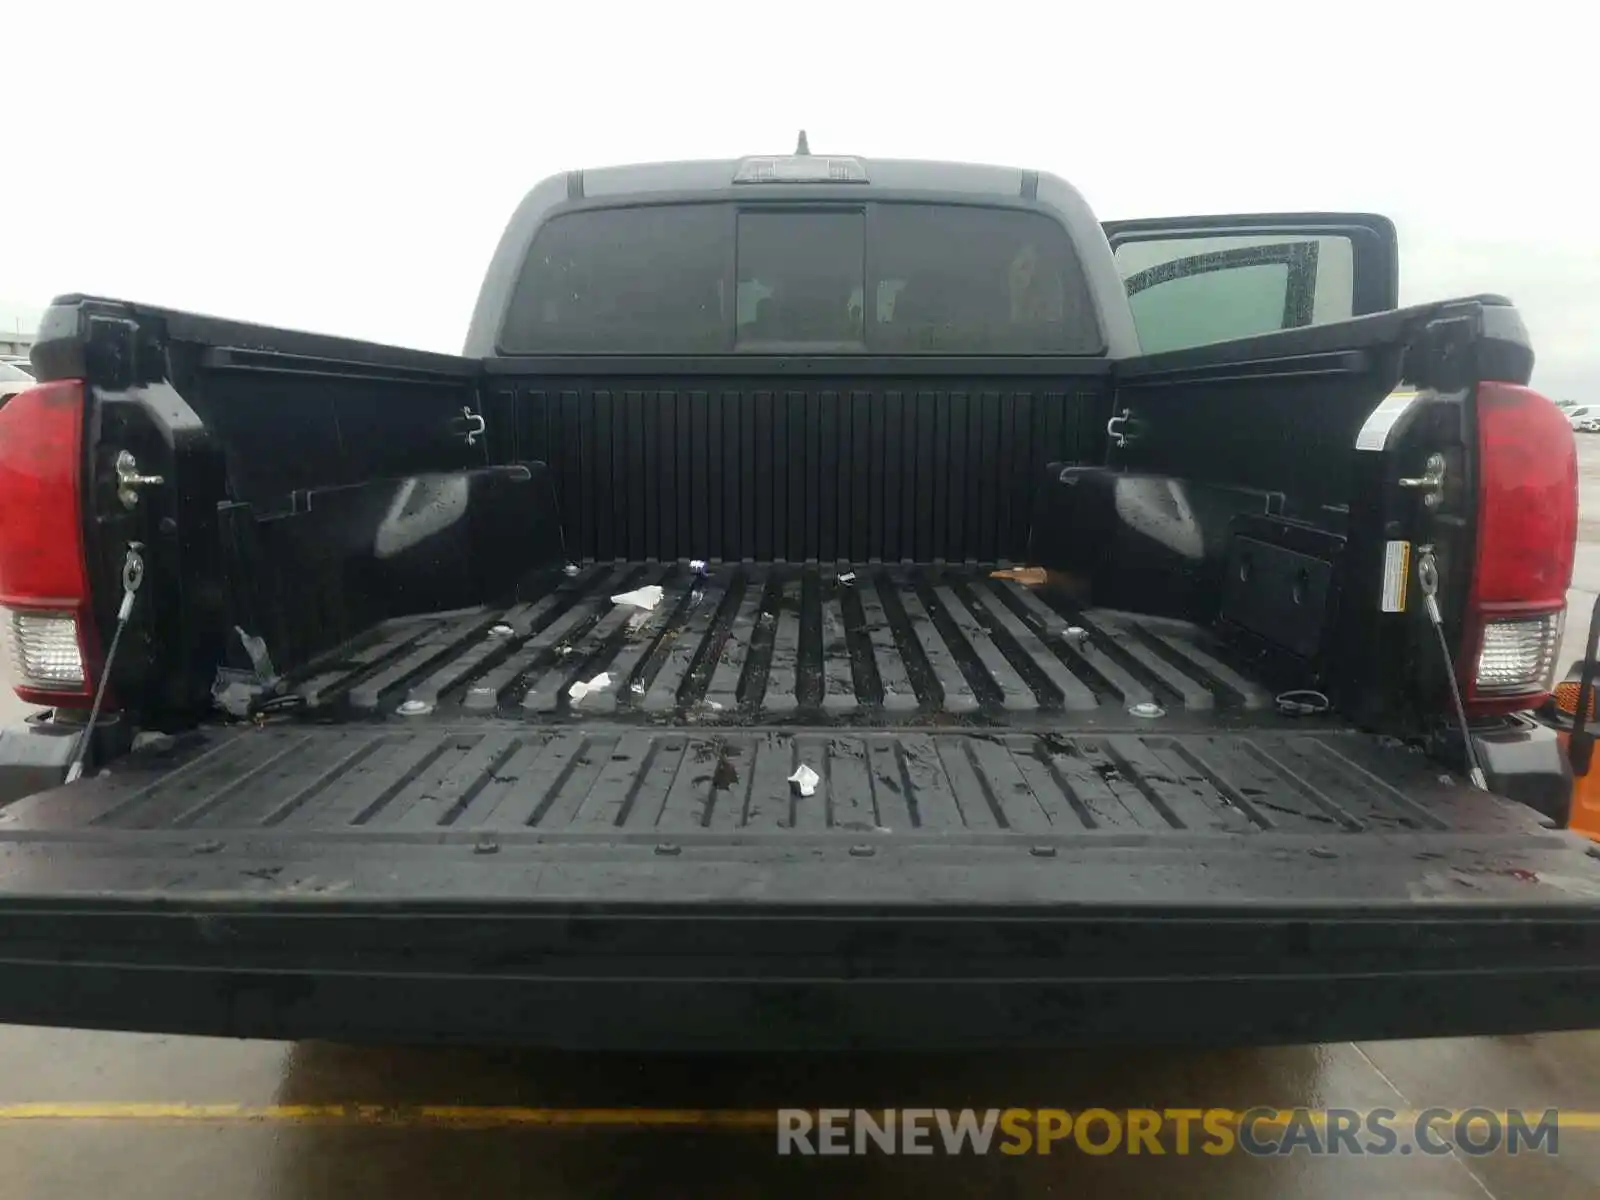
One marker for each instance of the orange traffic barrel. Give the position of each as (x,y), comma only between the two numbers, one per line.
(1585,788)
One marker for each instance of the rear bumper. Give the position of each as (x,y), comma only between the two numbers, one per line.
(1526,761)
(36,751)
(34,754)
(765,980)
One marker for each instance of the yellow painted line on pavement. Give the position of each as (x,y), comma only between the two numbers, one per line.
(382,1114)
(478,1116)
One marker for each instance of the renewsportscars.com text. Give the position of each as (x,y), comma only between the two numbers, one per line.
(1211,1131)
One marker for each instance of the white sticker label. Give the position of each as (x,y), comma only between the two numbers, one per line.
(1396,570)
(1374,434)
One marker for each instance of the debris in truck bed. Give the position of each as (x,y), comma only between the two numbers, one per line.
(239,692)
(235,692)
(1073,587)
(260,660)
(646,597)
(1302,702)
(582,688)
(805,779)
(1279,784)
(699,566)
(908,644)
(1031,576)
(847,578)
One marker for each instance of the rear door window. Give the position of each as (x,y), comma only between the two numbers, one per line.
(1189,291)
(943,279)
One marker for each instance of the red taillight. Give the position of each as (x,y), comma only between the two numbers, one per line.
(44,587)
(1527,538)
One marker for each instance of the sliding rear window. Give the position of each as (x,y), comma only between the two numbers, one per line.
(877,278)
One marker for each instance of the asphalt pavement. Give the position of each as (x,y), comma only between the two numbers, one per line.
(88,1114)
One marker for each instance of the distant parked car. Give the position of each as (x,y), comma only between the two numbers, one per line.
(19,361)
(1585,418)
(13,379)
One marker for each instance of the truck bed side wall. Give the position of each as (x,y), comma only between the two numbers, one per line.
(314,485)
(1235,496)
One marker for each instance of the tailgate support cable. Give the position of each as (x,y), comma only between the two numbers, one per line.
(132,577)
(1428,580)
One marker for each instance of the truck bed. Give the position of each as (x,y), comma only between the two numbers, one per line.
(996,852)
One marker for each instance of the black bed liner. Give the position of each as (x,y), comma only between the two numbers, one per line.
(608,780)
(1039,867)
(650,765)
(836,645)
(608,886)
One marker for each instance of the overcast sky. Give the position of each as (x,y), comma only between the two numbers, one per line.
(308,166)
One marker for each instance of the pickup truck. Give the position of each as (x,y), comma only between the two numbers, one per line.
(829,603)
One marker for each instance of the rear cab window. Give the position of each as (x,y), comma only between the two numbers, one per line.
(875,278)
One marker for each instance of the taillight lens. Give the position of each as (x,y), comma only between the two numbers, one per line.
(1527,538)
(44,586)
(1518,654)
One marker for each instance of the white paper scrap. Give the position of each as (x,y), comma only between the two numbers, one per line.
(581,689)
(646,597)
(805,779)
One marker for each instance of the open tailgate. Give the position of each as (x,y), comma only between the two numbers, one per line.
(623,887)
